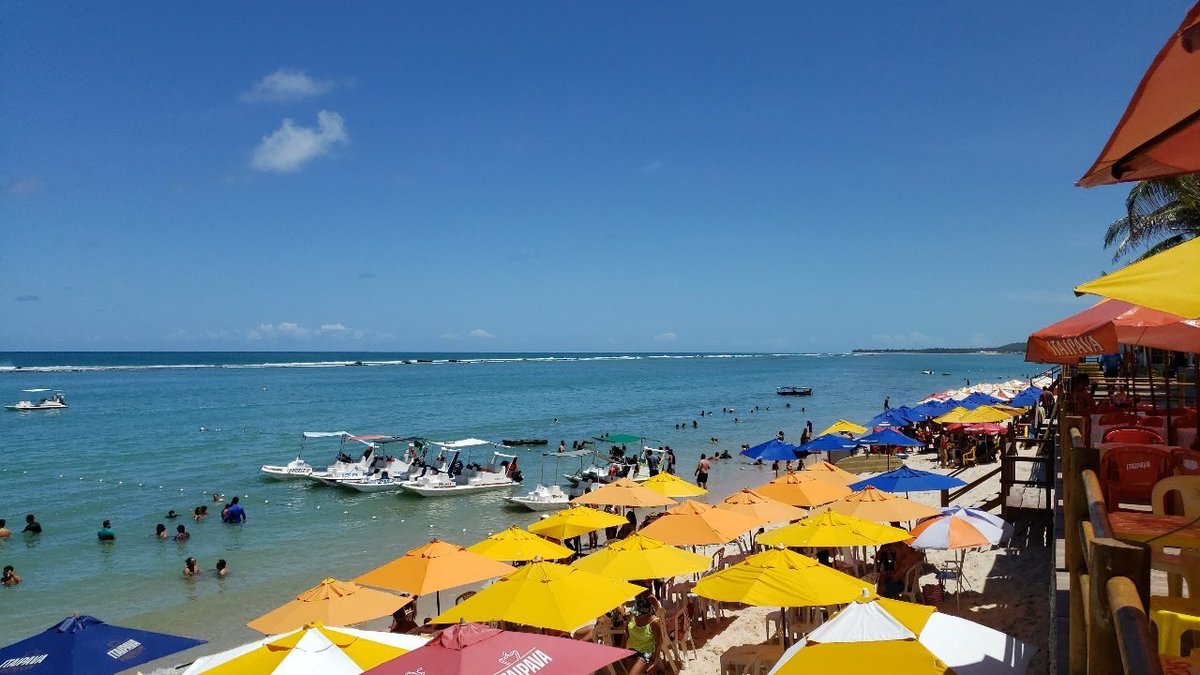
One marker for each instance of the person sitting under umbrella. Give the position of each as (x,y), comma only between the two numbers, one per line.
(643,635)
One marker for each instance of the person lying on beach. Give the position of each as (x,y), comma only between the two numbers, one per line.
(189,568)
(9,577)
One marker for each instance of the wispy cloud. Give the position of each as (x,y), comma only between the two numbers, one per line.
(284,331)
(480,334)
(290,146)
(27,298)
(653,166)
(285,86)
(23,187)
(475,334)
(666,337)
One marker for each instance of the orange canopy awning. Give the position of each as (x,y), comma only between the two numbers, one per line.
(1100,328)
(1159,134)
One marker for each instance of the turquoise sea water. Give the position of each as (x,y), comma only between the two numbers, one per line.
(131,447)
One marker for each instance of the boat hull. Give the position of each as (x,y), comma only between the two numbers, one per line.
(453,490)
(540,504)
(283,473)
(33,408)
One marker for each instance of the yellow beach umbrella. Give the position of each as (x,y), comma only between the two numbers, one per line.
(545,595)
(434,567)
(984,413)
(844,427)
(782,578)
(693,523)
(831,472)
(641,557)
(954,416)
(833,529)
(517,545)
(574,521)
(670,485)
(623,492)
(330,602)
(871,503)
(315,648)
(802,489)
(1166,281)
(750,503)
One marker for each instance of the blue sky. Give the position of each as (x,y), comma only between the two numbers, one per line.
(555,176)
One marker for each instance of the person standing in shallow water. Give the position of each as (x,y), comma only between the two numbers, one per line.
(32,526)
(702,468)
(235,514)
(106,532)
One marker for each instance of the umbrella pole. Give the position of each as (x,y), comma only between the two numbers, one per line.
(438,595)
(783,629)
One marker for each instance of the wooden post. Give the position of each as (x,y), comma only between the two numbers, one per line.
(945,498)
(1074,514)
(1110,559)
(1138,652)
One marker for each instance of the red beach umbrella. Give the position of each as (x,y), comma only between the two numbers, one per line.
(472,648)
(1159,134)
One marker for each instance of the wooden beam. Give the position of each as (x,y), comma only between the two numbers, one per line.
(1110,559)
(1139,653)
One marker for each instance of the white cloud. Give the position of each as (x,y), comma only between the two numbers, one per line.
(480,333)
(23,187)
(283,86)
(666,337)
(333,328)
(290,147)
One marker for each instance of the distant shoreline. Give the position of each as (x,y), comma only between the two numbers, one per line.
(1011,348)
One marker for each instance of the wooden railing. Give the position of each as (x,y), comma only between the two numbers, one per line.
(1110,579)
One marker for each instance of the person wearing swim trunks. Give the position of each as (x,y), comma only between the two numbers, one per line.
(701,472)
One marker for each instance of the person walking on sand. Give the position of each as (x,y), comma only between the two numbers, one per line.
(701,472)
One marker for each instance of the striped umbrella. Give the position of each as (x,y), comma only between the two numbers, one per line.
(953,532)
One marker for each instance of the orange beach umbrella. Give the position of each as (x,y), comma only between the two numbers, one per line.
(1159,133)
(693,523)
(434,567)
(623,492)
(750,503)
(829,471)
(331,602)
(802,489)
(871,503)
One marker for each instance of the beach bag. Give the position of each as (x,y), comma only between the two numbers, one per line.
(932,594)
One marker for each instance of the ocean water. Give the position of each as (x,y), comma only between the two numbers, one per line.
(131,447)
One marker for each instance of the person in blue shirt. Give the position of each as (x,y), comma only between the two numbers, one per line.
(235,514)
(106,532)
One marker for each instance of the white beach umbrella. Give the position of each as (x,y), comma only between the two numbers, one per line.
(315,648)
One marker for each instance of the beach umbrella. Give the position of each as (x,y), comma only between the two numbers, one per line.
(693,523)
(1165,281)
(1103,327)
(986,428)
(956,530)
(826,442)
(641,557)
(882,507)
(802,489)
(623,492)
(574,521)
(781,578)
(544,595)
(828,471)
(670,485)
(315,648)
(772,450)
(830,529)
(984,413)
(434,567)
(894,417)
(844,427)
(934,408)
(1027,398)
(977,399)
(472,649)
(954,416)
(85,644)
(882,635)
(750,503)
(906,479)
(890,437)
(517,545)
(330,602)
(1160,131)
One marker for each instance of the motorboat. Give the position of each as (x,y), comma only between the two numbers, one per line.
(370,463)
(523,441)
(794,391)
(616,467)
(55,401)
(386,473)
(299,468)
(543,498)
(453,477)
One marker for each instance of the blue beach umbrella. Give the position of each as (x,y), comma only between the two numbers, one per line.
(906,479)
(896,417)
(1027,398)
(85,644)
(979,399)
(828,442)
(772,450)
(890,437)
(931,409)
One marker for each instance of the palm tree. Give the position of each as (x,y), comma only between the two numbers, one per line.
(1160,213)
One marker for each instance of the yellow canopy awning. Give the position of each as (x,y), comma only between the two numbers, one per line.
(1168,282)
(844,427)
(832,529)
(641,557)
(782,578)
(574,521)
(517,545)
(670,485)
(623,492)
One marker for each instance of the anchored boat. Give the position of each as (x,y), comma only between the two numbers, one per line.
(453,477)
(55,401)
(794,391)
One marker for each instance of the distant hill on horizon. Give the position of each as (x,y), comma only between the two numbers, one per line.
(1010,348)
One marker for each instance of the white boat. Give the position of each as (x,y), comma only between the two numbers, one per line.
(632,468)
(299,468)
(55,401)
(385,472)
(454,478)
(543,498)
(345,467)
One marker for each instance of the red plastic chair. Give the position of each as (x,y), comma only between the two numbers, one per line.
(1187,462)
(1132,435)
(1128,473)
(1152,422)
(1114,418)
